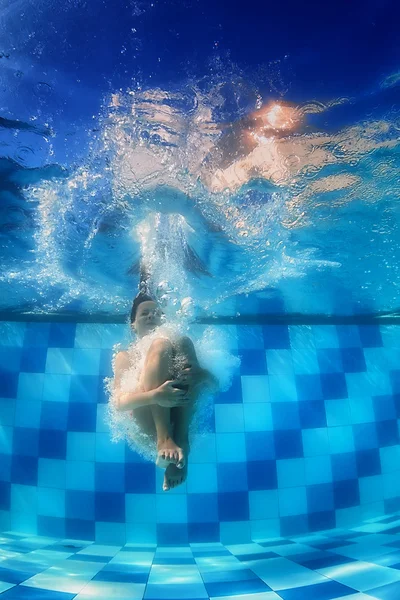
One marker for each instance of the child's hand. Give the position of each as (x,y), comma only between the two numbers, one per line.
(169,395)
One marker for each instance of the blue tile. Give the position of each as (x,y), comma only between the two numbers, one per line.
(365,436)
(349,336)
(309,387)
(370,336)
(79,504)
(260,445)
(326,519)
(25,441)
(385,592)
(333,385)
(121,576)
(368,462)
(110,477)
(253,362)
(52,443)
(250,337)
(318,591)
(140,478)
(54,415)
(320,497)
(312,414)
(80,529)
(51,526)
(106,363)
(62,335)
(384,408)
(395,381)
(387,433)
(5,467)
(24,469)
(5,496)
(344,466)
(82,416)
(288,444)
(176,534)
(233,506)
(346,493)
(33,360)
(10,359)
(276,337)
(110,507)
(232,477)
(84,388)
(8,384)
(22,592)
(228,588)
(37,335)
(329,360)
(293,525)
(285,415)
(234,394)
(353,360)
(202,508)
(262,475)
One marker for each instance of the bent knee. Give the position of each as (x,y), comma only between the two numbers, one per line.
(184,343)
(160,346)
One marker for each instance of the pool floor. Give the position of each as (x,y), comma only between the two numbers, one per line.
(358,563)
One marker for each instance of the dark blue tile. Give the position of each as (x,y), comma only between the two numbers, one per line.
(140,478)
(368,462)
(109,507)
(33,360)
(5,467)
(233,506)
(80,529)
(320,497)
(8,384)
(288,444)
(327,560)
(312,414)
(202,508)
(346,493)
(82,416)
(110,477)
(333,386)
(365,436)
(344,466)
(349,336)
(52,444)
(31,593)
(62,335)
(232,477)
(121,576)
(276,337)
(257,556)
(105,369)
(233,395)
(396,400)
(51,526)
(234,588)
(24,469)
(384,408)
(14,576)
(317,521)
(261,475)
(203,532)
(353,360)
(387,433)
(395,381)
(293,525)
(392,505)
(370,336)
(172,534)
(309,387)
(5,495)
(84,388)
(37,335)
(253,362)
(260,445)
(319,591)
(54,415)
(79,504)
(25,441)
(10,359)
(273,305)
(329,360)
(285,415)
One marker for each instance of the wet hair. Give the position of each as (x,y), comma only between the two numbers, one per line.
(141,297)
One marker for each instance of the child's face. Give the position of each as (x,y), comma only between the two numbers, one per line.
(148,317)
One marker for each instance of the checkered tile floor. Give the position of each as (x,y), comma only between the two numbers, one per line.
(356,564)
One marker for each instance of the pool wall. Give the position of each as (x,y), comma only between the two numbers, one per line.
(306,439)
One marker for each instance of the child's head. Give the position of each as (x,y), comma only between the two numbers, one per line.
(145,314)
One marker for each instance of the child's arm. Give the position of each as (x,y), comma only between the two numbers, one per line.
(128,400)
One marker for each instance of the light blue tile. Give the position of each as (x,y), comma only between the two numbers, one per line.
(12,333)
(141,533)
(110,533)
(325,336)
(7,411)
(391,485)
(255,388)
(318,469)
(292,501)
(264,504)
(88,335)
(51,473)
(30,386)
(341,439)
(338,412)
(114,333)
(291,472)
(203,449)
(24,522)
(279,362)
(56,387)
(80,476)
(24,498)
(390,336)
(229,418)
(361,409)
(81,446)
(264,529)
(27,413)
(390,459)
(301,336)
(6,440)
(348,517)
(371,489)
(258,416)
(231,447)
(251,338)
(315,441)
(108,451)
(305,361)
(102,419)
(59,360)
(372,510)
(51,502)
(363,576)
(178,591)
(86,361)
(171,509)
(140,508)
(202,479)
(235,532)
(282,389)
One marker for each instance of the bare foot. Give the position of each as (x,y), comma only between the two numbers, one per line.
(175,474)
(169,453)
